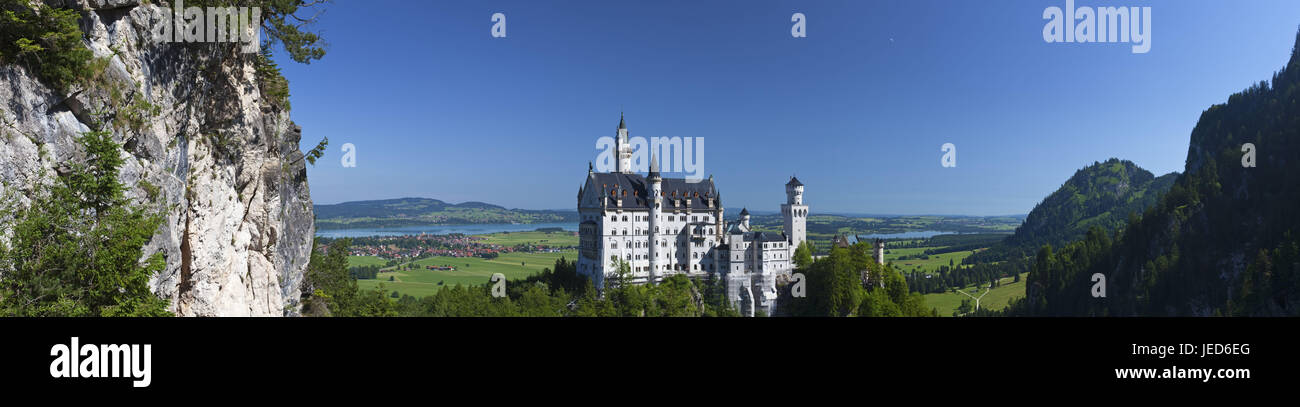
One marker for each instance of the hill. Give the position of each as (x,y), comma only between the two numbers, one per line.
(424,211)
(1222,241)
(1101,195)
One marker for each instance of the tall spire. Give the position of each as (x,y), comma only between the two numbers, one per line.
(621,124)
(654,168)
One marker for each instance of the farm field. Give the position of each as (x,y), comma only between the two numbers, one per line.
(560,239)
(419,281)
(997,298)
(930,264)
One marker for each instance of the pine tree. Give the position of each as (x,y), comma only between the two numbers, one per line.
(77,249)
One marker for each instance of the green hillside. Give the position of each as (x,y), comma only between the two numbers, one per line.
(403,212)
(1222,241)
(1100,195)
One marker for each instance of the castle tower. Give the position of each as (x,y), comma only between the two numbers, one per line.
(623,147)
(744,219)
(795,213)
(878,251)
(656,194)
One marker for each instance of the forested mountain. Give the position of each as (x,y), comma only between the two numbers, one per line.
(1100,195)
(424,211)
(1222,241)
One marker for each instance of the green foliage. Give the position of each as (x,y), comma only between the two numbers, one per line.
(316,152)
(150,190)
(1221,241)
(46,40)
(561,291)
(77,249)
(1103,195)
(803,255)
(283,26)
(330,289)
(835,288)
(272,83)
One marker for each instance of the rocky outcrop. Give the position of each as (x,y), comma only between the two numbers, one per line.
(220,162)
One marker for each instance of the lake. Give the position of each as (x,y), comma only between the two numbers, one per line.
(920,234)
(481,229)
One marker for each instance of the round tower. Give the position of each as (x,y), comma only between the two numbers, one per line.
(795,214)
(794,192)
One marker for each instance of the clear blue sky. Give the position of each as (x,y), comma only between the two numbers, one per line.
(858,110)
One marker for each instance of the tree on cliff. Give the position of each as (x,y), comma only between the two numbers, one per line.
(329,289)
(77,249)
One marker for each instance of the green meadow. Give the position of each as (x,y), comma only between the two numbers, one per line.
(412,278)
(930,264)
(997,298)
(536,238)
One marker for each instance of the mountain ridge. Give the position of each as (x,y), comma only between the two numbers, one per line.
(1102,194)
(1222,241)
(415,211)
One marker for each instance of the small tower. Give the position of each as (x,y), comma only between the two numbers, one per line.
(878,251)
(744,219)
(623,147)
(795,214)
(655,203)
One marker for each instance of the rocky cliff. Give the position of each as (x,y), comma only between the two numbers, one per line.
(218,159)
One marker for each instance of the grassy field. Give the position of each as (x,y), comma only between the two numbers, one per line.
(361,261)
(996,299)
(420,282)
(931,264)
(546,238)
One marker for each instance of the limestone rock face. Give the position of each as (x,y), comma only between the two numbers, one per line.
(218,160)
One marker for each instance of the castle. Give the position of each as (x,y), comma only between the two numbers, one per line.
(664,226)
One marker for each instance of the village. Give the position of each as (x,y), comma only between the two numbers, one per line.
(399,249)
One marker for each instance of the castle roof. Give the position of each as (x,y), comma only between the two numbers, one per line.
(633,189)
(794,182)
(621,124)
(764,237)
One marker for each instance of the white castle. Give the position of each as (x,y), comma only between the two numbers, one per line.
(665,226)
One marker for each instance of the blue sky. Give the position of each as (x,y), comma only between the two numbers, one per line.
(858,109)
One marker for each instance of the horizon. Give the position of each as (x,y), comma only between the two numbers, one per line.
(858,109)
(753,211)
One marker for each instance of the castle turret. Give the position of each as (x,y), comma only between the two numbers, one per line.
(795,214)
(878,251)
(656,203)
(744,218)
(623,147)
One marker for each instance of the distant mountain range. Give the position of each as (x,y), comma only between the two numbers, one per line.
(403,212)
